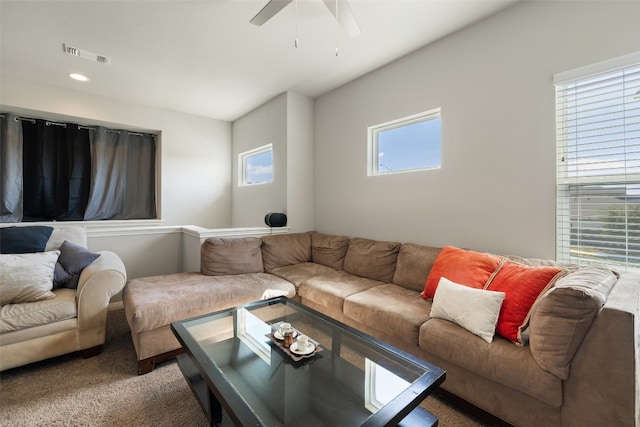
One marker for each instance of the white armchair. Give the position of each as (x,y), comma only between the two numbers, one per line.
(75,320)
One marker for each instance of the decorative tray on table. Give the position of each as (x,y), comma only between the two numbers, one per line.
(296,354)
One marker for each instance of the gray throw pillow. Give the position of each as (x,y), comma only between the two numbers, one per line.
(73,259)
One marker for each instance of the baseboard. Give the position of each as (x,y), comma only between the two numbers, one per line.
(115,305)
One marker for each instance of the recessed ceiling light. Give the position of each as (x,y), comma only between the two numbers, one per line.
(79,77)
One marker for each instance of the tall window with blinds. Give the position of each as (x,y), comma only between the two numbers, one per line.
(598,164)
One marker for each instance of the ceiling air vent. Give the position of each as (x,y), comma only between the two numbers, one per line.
(95,57)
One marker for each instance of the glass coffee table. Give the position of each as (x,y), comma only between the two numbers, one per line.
(242,374)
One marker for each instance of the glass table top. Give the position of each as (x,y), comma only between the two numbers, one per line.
(351,379)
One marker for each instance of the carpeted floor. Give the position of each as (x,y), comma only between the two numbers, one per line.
(106,391)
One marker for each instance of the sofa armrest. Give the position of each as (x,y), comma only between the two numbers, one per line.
(98,282)
(603,384)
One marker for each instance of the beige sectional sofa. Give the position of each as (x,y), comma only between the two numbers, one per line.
(579,363)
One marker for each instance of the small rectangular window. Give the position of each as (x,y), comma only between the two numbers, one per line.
(256,166)
(408,144)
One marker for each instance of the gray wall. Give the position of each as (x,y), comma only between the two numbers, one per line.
(493,80)
(287,123)
(195,169)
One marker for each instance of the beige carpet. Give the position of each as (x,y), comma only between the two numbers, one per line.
(106,391)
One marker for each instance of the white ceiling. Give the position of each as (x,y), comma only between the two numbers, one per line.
(205,58)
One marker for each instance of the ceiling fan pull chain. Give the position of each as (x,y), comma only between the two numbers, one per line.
(337,27)
(295,43)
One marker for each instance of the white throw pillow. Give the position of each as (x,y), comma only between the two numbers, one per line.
(27,277)
(476,310)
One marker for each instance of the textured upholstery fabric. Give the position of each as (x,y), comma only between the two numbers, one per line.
(75,235)
(98,282)
(231,256)
(476,310)
(414,264)
(280,250)
(152,302)
(22,240)
(563,315)
(372,259)
(500,361)
(297,273)
(14,317)
(390,308)
(604,376)
(27,277)
(330,290)
(522,285)
(329,250)
(469,268)
(72,260)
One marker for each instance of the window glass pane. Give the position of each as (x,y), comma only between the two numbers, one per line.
(415,146)
(257,166)
(409,144)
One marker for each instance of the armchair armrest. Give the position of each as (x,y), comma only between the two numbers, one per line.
(98,282)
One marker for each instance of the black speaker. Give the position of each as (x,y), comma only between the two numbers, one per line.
(275,219)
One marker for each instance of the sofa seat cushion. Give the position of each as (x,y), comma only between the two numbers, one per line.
(297,273)
(390,308)
(20,316)
(152,302)
(500,361)
(330,290)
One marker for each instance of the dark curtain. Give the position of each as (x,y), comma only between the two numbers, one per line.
(65,172)
(56,171)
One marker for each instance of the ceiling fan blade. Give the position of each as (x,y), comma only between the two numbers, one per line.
(345,16)
(268,11)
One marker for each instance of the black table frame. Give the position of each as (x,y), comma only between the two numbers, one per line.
(216,395)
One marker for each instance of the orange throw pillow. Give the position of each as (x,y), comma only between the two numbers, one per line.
(522,285)
(469,268)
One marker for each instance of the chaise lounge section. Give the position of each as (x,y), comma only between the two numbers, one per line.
(573,359)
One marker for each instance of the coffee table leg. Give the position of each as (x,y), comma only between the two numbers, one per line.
(215,409)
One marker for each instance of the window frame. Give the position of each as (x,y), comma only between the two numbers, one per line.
(56,120)
(570,182)
(374,131)
(243,168)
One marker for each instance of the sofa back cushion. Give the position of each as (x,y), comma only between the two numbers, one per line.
(280,250)
(561,318)
(413,266)
(372,259)
(329,250)
(222,256)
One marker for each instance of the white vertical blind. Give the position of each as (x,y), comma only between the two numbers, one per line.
(598,167)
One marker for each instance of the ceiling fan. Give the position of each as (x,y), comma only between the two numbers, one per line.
(339,9)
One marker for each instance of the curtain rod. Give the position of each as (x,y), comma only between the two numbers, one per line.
(64,125)
(17,119)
